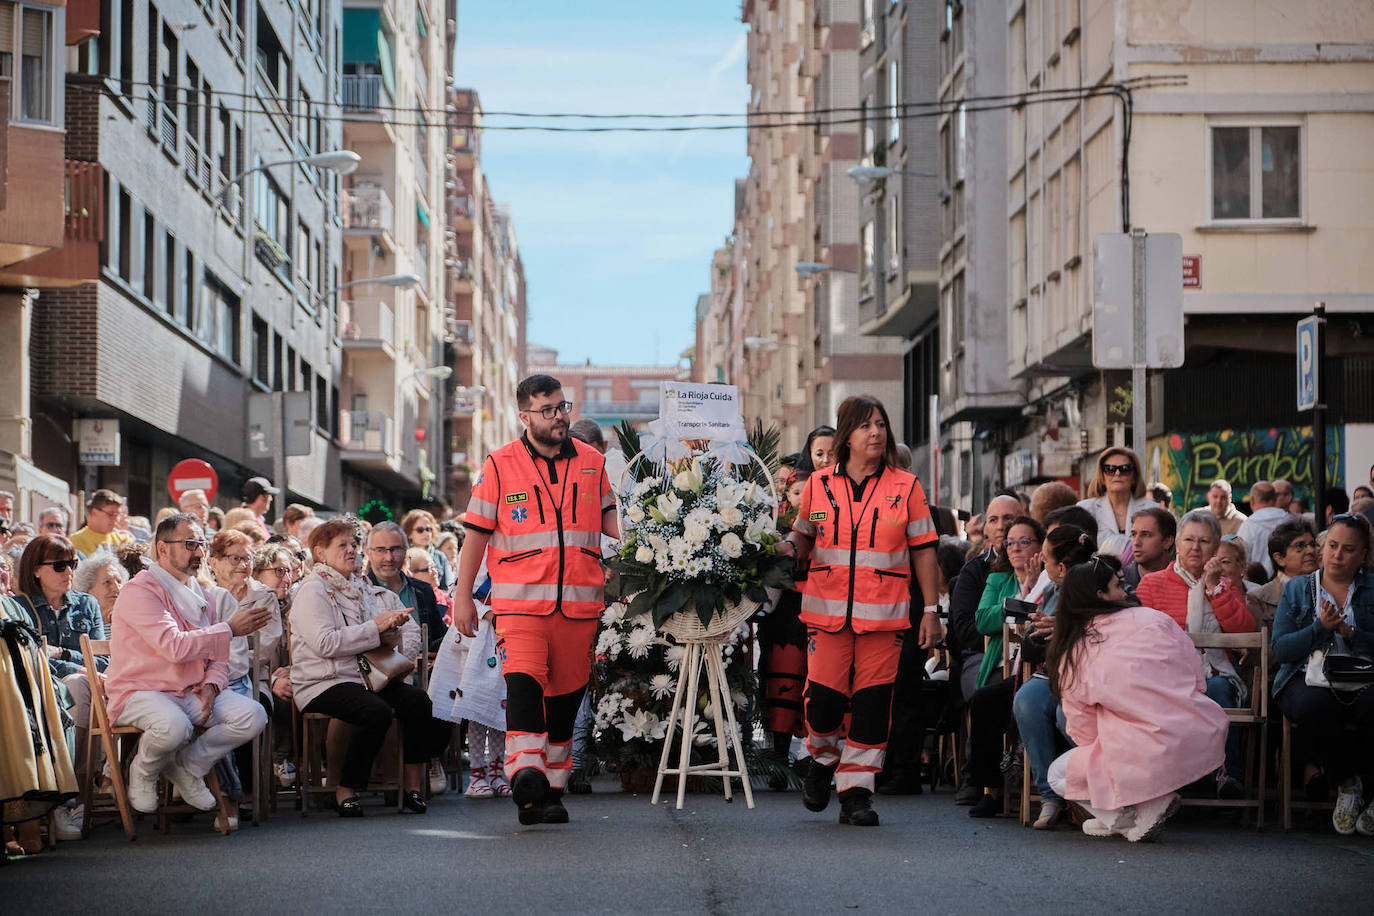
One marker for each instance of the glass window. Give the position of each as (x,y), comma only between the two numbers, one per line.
(894,101)
(36,64)
(1257,172)
(866,242)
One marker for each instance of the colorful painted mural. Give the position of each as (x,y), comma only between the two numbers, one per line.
(1188,462)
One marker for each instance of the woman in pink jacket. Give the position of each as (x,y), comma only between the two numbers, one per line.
(1135,704)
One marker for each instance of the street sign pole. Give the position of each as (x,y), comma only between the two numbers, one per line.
(1319,419)
(1138,342)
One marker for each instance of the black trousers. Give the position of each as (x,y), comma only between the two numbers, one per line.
(989,711)
(1339,728)
(370,715)
(906,734)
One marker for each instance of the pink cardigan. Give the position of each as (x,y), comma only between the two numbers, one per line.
(153,648)
(1137,710)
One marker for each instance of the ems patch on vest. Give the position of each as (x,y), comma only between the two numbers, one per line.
(817,516)
(519,515)
(517,497)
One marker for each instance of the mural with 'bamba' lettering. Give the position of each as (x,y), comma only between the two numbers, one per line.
(1187,463)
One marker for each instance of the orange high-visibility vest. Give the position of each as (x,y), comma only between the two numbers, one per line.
(544,518)
(861,555)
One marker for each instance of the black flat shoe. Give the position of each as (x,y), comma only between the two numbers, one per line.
(351,807)
(414,801)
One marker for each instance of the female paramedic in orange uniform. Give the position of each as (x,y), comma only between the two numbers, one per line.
(866,526)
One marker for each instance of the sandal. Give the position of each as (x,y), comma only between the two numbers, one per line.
(351,807)
(414,801)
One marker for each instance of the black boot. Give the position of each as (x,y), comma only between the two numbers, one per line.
(856,808)
(554,812)
(816,786)
(528,789)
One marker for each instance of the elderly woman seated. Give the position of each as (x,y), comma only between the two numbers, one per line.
(336,616)
(1198,593)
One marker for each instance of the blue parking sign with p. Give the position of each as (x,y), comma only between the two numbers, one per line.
(1308,364)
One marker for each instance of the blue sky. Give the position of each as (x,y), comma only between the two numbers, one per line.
(616,230)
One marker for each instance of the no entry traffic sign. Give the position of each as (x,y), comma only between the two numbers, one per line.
(192,474)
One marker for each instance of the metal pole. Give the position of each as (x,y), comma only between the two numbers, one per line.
(933,497)
(1319,423)
(279,448)
(1138,292)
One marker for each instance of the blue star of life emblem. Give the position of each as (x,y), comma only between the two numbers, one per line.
(519,515)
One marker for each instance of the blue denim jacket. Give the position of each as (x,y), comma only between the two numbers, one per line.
(1298,630)
(80,613)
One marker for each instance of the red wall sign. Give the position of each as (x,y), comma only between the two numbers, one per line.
(1192,271)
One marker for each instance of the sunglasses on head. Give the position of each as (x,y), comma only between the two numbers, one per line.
(60,566)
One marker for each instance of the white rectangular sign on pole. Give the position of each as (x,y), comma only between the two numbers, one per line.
(692,411)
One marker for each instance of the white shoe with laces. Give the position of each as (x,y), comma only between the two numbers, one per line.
(1346,816)
(143,794)
(68,822)
(1096,827)
(1150,817)
(193,790)
(438,779)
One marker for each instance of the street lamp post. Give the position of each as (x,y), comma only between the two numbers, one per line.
(343,161)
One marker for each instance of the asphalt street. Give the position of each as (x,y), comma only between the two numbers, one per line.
(622,855)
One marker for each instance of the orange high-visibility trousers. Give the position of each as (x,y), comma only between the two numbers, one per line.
(850,672)
(546,661)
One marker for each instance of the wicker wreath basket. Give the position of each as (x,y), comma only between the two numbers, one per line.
(685,625)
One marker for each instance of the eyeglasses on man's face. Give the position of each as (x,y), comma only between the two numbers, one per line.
(392,551)
(552,410)
(111,511)
(192,545)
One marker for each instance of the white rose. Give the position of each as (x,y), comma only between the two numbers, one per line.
(730,516)
(731,545)
(644,554)
(635,513)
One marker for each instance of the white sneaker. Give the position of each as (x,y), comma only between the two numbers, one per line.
(142,793)
(1347,812)
(1364,826)
(479,786)
(1150,817)
(193,791)
(68,822)
(1095,827)
(438,779)
(286,773)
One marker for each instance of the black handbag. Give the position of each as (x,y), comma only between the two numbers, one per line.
(1348,672)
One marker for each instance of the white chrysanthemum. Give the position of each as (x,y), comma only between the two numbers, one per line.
(612,615)
(608,644)
(698,516)
(695,534)
(731,546)
(640,640)
(679,564)
(698,566)
(662,686)
(673,657)
(663,562)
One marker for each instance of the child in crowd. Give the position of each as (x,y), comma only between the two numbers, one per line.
(482,701)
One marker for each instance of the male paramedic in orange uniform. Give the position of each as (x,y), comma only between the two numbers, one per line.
(538,511)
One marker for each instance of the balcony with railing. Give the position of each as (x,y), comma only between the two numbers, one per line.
(367,431)
(367,325)
(364,93)
(367,208)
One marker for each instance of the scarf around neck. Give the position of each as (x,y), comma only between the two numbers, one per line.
(355,588)
(188,599)
(1202,619)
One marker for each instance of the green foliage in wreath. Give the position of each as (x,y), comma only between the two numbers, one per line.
(375,512)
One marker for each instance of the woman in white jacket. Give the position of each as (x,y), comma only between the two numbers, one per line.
(337,615)
(1117,493)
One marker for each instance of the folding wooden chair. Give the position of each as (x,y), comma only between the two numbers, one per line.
(261,745)
(111,739)
(1287,802)
(1255,715)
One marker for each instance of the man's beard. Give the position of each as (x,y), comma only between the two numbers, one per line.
(555,436)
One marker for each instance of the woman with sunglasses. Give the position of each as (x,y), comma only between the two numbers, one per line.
(421,530)
(43,587)
(1134,703)
(1117,493)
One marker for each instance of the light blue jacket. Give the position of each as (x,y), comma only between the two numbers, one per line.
(1298,629)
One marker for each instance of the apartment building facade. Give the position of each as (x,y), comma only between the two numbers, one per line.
(1254,153)
(394,77)
(199,259)
(609,395)
(486,305)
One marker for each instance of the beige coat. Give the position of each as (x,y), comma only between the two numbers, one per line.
(329,630)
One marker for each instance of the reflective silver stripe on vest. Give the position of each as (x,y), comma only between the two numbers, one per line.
(542,540)
(482,508)
(804,526)
(512,591)
(839,556)
(920,526)
(837,607)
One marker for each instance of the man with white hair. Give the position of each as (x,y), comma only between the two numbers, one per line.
(195,502)
(53,520)
(1219,501)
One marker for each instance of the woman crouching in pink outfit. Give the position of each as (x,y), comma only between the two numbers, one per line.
(1135,700)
